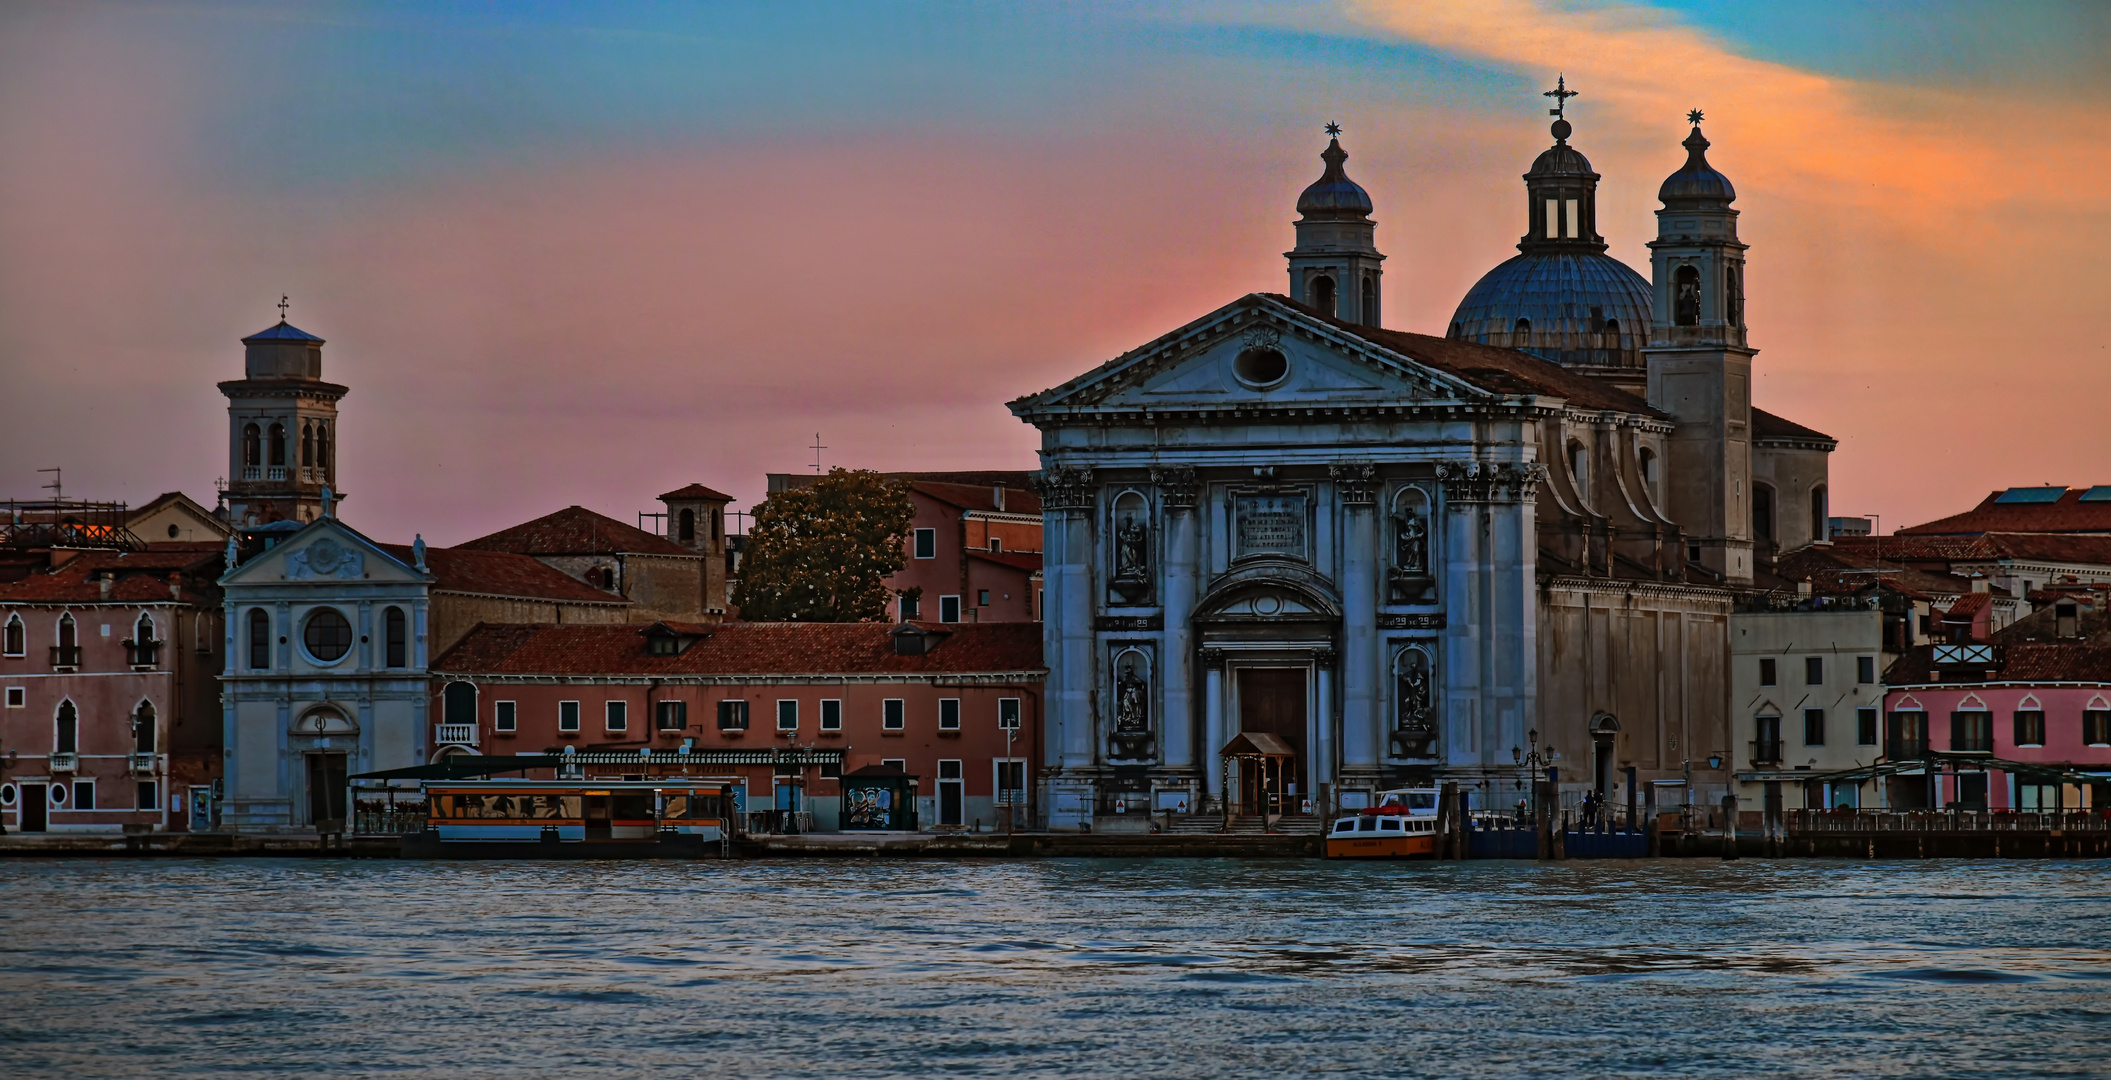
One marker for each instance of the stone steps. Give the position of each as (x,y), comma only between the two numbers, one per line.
(1248,825)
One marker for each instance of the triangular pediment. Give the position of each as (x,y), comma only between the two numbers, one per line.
(1258,352)
(327,551)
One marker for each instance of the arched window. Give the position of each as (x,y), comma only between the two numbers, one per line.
(143,734)
(1521,334)
(252,447)
(459,703)
(259,639)
(143,631)
(67,738)
(15,640)
(1580,469)
(718,525)
(1733,297)
(278,445)
(322,449)
(395,636)
(1323,294)
(1646,464)
(1686,298)
(307,446)
(685,527)
(1612,333)
(1817,514)
(67,636)
(1762,512)
(1457,331)
(1369,311)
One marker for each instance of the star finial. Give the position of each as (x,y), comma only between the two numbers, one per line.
(1561,95)
(1693,116)
(282,307)
(1333,128)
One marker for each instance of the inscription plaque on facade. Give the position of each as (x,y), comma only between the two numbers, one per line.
(1268,525)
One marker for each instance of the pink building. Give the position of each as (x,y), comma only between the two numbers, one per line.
(2036,702)
(958,707)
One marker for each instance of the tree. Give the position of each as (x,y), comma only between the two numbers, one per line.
(822,553)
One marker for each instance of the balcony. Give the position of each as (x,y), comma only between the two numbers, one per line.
(65,657)
(1905,749)
(1766,752)
(142,654)
(454,734)
(252,472)
(66,762)
(275,472)
(143,764)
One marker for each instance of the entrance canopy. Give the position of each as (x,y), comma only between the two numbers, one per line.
(1257,744)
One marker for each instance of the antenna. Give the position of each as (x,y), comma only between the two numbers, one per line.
(817,448)
(57,487)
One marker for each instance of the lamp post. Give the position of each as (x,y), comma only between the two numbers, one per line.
(1529,762)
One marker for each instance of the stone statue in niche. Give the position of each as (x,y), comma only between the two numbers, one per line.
(1414,734)
(1410,577)
(1132,557)
(1132,712)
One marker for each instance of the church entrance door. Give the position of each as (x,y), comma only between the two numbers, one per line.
(1272,701)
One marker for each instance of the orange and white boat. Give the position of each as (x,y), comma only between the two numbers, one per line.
(1402,826)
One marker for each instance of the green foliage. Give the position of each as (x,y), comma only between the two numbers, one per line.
(822,553)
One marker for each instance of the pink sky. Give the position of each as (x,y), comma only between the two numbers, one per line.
(597,319)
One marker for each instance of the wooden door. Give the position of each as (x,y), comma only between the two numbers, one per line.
(1272,700)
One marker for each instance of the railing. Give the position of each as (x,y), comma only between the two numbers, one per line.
(1766,750)
(454,734)
(1905,749)
(1870,821)
(65,656)
(65,762)
(383,821)
(144,763)
(252,472)
(142,654)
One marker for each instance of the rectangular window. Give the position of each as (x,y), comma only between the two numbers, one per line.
(893,714)
(912,608)
(1814,671)
(1971,730)
(1574,222)
(896,763)
(1008,714)
(618,715)
(1553,219)
(732,715)
(788,715)
(927,543)
(1908,735)
(1865,727)
(671,715)
(1767,747)
(831,714)
(982,598)
(949,769)
(1865,669)
(2096,727)
(1010,778)
(17,696)
(84,794)
(1814,727)
(996,543)
(949,714)
(149,796)
(2030,727)
(568,716)
(948,609)
(504,716)
(1766,671)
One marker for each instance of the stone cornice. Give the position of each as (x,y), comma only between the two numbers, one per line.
(940,678)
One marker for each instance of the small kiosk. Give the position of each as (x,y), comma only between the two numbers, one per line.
(879,798)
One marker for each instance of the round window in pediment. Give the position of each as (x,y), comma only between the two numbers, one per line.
(1261,366)
(327,635)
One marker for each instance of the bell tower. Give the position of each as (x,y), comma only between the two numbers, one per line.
(1700,367)
(1335,266)
(281,429)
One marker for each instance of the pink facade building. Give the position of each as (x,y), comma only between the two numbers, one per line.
(957,707)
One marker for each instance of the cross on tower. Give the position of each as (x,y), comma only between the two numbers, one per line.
(282,307)
(817,448)
(1561,95)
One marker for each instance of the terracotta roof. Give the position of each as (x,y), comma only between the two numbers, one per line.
(576,530)
(1017,500)
(2072,662)
(2086,549)
(741,649)
(698,491)
(1968,605)
(1029,561)
(1766,425)
(2067,514)
(1835,572)
(500,573)
(142,578)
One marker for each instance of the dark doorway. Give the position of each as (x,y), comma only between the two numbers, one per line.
(326,792)
(1272,701)
(1602,762)
(597,819)
(1971,791)
(35,801)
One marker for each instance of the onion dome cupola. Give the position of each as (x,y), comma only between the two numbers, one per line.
(1697,260)
(1562,298)
(1336,265)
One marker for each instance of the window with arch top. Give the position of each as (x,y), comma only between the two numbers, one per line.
(259,639)
(1322,294)
(322,448)
(278,445)
(1580,469)
(1733,297)
(1646,464)
(14,641)
(1686,296)
(68,636)
(143,734)
(67,737)
(252,446)
(685,526)
(1521,333)
(1367,312)
(1762,511)
(1817,514)
(307,446)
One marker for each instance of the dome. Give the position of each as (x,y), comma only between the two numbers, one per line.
(1697,183)
(1334,195)
(1580,309)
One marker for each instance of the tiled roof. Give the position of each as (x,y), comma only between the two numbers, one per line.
(1838,571)
(1029,561)
(500,573)
(2072,662)
(1019,500)
(2068,514)
(2081,548)
(142,578)
(1766,425)
(698,491)
(1968,605)
(576,530)
(283,332)
(742,649)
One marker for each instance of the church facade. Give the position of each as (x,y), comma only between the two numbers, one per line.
(1357,558)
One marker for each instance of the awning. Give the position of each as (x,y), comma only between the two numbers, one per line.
(1257,744)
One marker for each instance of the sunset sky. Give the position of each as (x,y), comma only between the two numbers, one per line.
(585,253)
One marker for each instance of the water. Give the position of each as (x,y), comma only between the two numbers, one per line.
(1054,968)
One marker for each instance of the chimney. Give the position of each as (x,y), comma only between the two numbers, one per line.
(175,586)
(997,497)
(1979,583)
(108,580)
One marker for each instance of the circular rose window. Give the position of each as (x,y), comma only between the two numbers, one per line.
(328,636)
(1261,366)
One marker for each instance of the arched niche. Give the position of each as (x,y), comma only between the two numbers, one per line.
(1129,547)
(324,720)
(1130,720)
(1411,572)
(1414,732)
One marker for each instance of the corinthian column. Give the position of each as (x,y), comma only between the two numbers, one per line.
(1067,497)
(1177,489)
(1362,665)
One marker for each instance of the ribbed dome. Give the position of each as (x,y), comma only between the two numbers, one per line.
(1582,309)
(1561,159)
(1696,184)
(1334,195)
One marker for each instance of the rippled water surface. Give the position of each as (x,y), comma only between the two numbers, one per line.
(1054,967)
